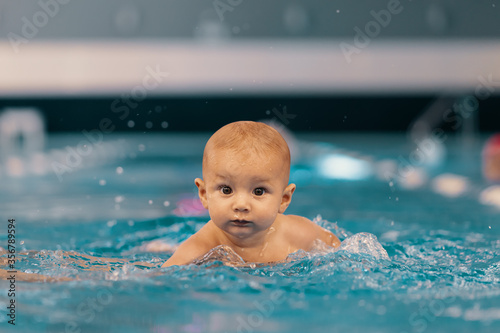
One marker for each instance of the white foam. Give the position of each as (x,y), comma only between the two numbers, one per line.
(477,314)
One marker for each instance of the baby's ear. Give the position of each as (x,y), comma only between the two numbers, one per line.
(287,197)
(202,192)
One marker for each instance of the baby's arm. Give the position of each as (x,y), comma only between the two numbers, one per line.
(191,249)
(328,237)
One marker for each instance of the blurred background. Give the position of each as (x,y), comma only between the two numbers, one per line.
(87,84)
(335,65)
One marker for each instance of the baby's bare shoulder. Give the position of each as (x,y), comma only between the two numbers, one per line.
(305,232)
(299,222)
(302,225)
(203,239)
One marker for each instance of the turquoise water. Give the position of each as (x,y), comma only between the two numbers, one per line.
(410,261)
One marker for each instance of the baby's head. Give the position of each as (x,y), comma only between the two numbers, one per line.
(246,141)
(246,167)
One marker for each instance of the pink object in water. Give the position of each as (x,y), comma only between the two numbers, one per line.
(491,158)
(189,207)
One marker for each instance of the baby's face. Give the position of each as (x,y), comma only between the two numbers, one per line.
(244,192)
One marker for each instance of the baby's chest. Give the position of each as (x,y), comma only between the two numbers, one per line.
(275,251)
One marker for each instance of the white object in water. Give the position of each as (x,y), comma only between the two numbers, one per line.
(490,196)
(450,185)
(405,175)
(342,166)
(415,178)
(22,130)
(22,138)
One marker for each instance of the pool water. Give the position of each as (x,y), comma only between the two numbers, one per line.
(411,260)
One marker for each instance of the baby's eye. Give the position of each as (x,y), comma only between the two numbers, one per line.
(259,191)
(225,189)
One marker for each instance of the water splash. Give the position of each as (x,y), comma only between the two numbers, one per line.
(221,254)
(448,270)
(364,243)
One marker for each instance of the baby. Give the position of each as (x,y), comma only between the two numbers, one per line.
(246,166)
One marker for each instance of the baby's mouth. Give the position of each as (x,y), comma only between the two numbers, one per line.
(240,223)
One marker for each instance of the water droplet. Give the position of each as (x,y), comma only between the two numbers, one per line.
(263,249)
(164,124)
(102,182)
(111,223)
(150,202)
(119,198)
(130,123)
(142,147)
(149,125)
(338,10)
(158,108)
(166,203)
(119,170)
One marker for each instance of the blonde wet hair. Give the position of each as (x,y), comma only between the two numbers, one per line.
(245,136)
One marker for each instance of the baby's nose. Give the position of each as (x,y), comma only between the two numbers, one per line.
(241,203)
